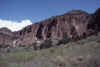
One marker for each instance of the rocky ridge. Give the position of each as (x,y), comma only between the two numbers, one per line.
(75,24)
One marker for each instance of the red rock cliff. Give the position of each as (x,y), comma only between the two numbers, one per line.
(74,24)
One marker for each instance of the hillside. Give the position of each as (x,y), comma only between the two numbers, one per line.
(68,40)
(75,24)
(82,53)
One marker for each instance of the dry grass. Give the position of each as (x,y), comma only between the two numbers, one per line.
(55,56)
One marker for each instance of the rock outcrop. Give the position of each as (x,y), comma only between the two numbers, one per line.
(73,25)
(6,37)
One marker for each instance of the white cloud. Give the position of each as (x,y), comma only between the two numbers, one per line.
(13,25)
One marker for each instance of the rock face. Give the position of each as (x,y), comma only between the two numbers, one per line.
(74,24)
(6,37)
(95,22)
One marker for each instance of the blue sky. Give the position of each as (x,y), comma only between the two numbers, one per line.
(37,10)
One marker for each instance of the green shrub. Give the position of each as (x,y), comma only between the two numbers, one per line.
(46,44)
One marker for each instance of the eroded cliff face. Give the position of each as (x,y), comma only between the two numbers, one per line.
(73,22)
(73,25)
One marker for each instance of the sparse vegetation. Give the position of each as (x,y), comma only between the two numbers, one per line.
(55,56)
